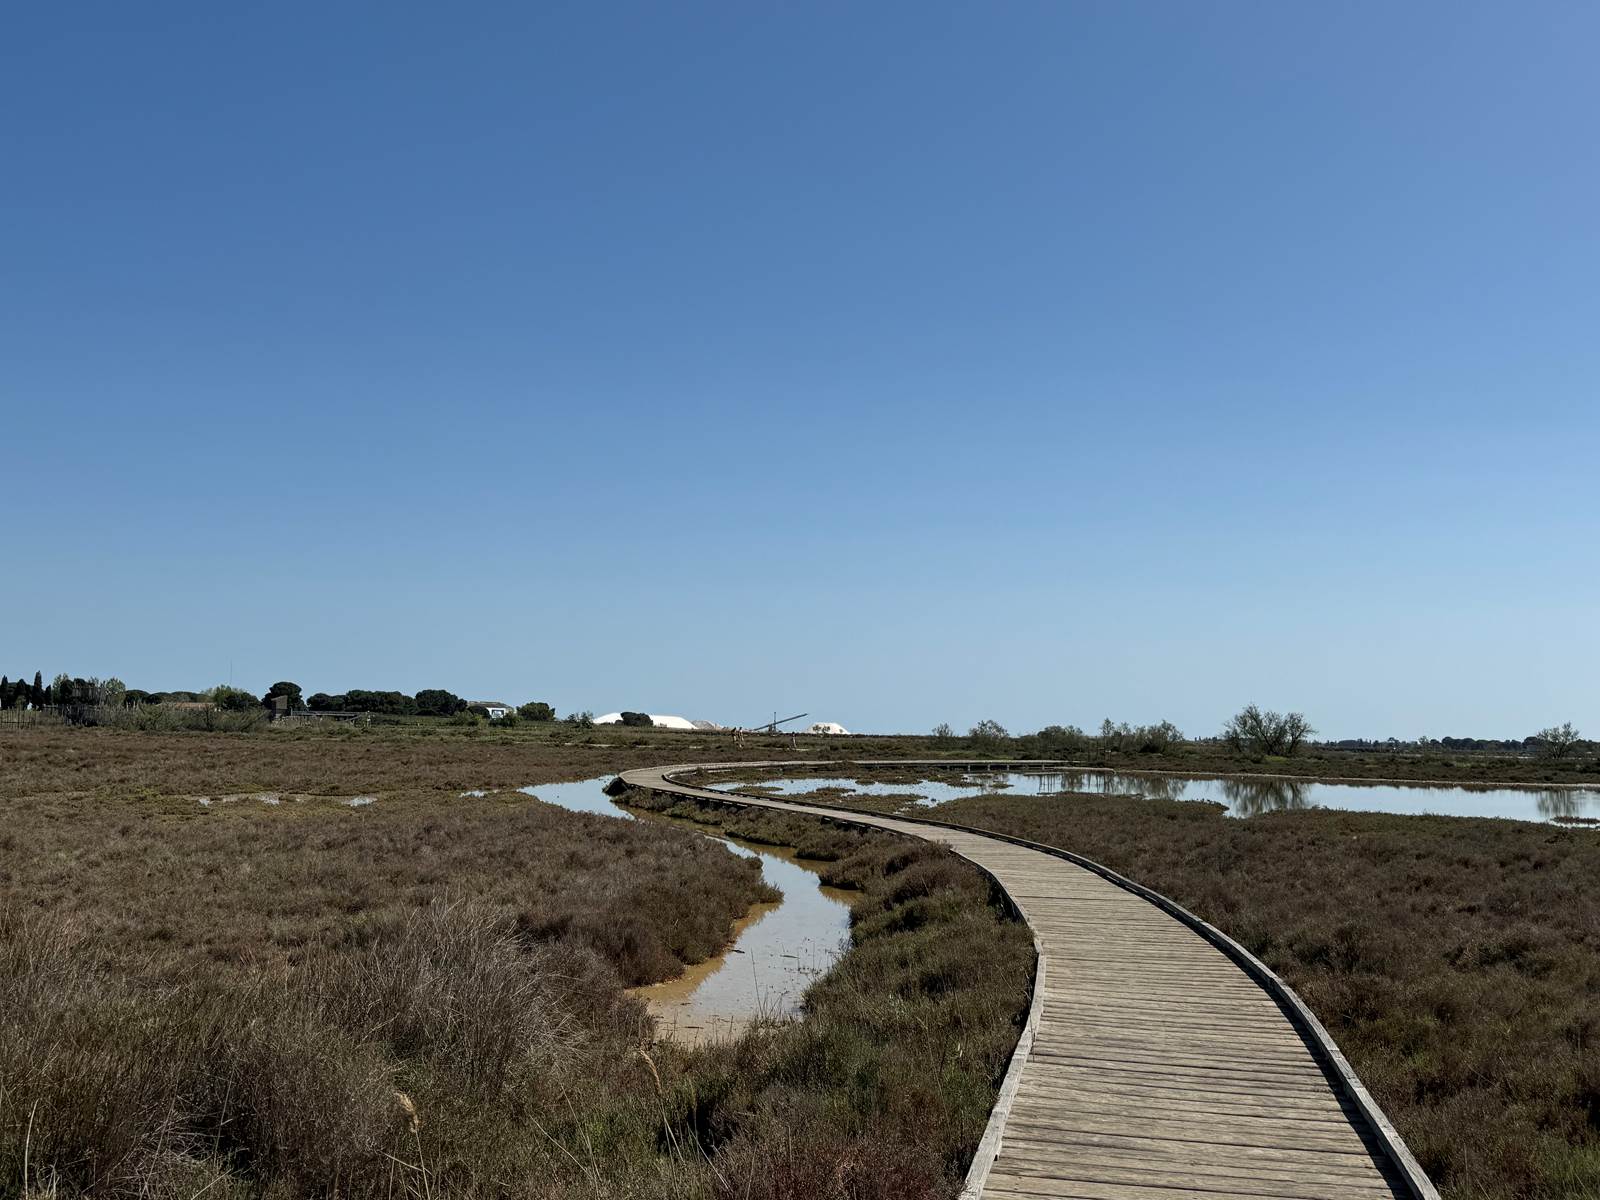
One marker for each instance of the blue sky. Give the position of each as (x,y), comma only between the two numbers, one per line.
(898,363)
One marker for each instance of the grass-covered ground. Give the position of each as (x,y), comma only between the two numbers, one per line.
(204,996)
(423,751)
(424,995)
(1456,961)
(1531,769)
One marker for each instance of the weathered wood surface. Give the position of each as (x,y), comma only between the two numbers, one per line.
(1157,1068)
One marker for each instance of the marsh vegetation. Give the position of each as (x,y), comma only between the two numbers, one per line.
(1456,961)
(426,995)
(892,788)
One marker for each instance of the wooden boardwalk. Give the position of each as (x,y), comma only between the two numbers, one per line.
(1154,1067)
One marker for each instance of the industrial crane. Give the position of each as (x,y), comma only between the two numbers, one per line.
(772,725)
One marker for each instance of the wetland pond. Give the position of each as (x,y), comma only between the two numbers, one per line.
(778,948)
(1240,796)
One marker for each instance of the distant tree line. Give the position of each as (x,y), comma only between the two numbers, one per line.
(1253,731)
(21,695)
(1054,740)
(1557,741)
(67,691)
(429,702)
(62,691)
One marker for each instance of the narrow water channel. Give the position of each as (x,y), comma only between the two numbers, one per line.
(778,949)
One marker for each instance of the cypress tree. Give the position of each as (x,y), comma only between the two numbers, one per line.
(5,692)
(36,697)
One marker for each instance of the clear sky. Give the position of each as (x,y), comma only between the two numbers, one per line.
(896,362)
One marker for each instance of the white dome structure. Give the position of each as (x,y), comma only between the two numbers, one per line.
(828,727)
(659,720)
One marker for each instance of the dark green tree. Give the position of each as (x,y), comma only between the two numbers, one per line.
(322,702)
(284,688)
(637,719)
(988,733)
(5,692)
(232,699)
(393,703)
(37,697)
(536,710)
(436,702)
(1058,739)
(1558,740)
(1254,731)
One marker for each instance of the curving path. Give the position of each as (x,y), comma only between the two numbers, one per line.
(1160,1060)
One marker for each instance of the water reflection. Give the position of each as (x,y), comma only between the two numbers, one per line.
(1251,797)
(1563,804)
(1239,796)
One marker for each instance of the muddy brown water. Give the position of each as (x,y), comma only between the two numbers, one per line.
(777,950)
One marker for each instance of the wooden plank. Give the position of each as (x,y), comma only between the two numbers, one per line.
(1262,1080)
(1267,1055)
(1279,1183)
(1023,1150)
(1246,1109)
(1027,1186)
(1226,1129)
(1063,1188)
(1097,1019)
(1047,1118)
(1121,1075)
(1179,1150)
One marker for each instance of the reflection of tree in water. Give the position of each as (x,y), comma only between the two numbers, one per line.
(1252,797)
(1562,802)
(1161,787)
(1094,783)
(1107,783)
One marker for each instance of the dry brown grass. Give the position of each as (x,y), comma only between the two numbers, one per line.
(424,997)
(246,884)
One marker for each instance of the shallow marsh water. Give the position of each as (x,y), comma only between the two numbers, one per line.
(1241,796)
(778,949)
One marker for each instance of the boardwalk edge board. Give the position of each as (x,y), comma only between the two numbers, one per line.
(1311,1030)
